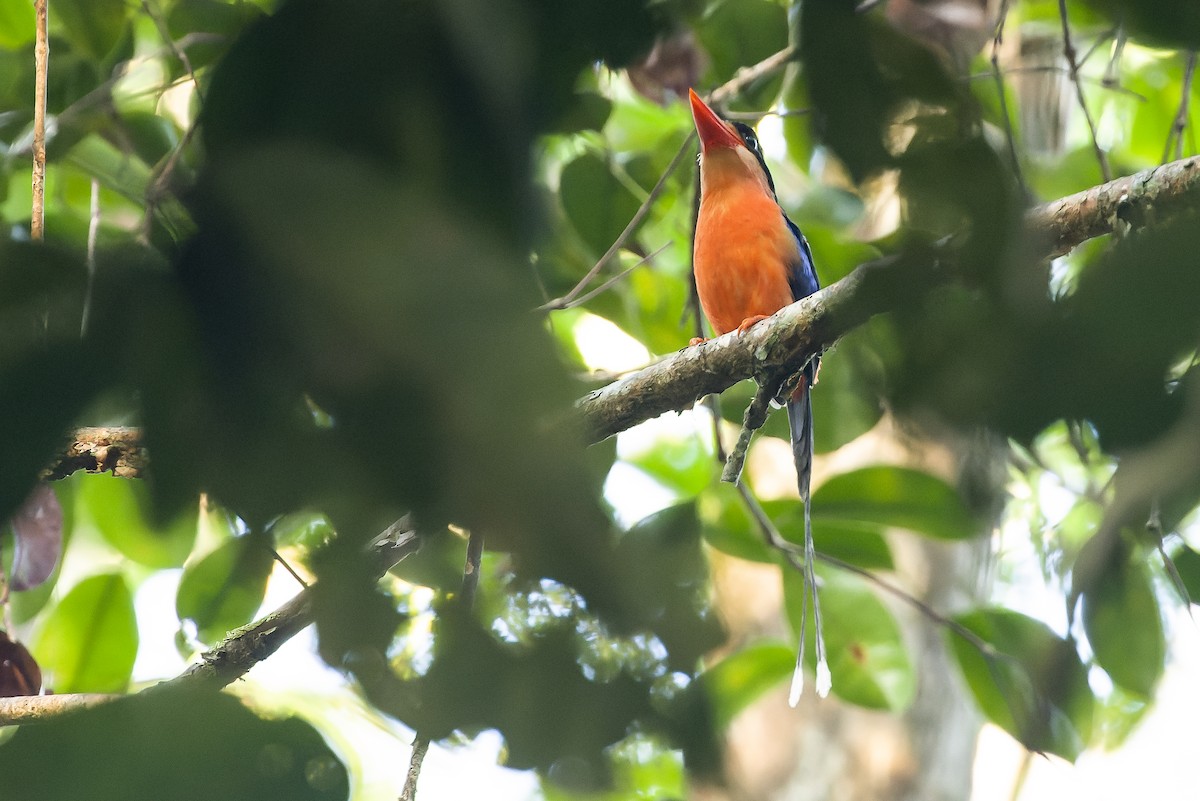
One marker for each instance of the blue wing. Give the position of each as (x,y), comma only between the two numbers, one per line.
(802,277)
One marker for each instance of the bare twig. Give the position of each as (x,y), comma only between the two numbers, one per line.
(179,52)
(41,60)
(420,748)
(1073,65)
(562,303)
(1010,137)
(754,418)
(749,75)
(1175,136)
(1117,88)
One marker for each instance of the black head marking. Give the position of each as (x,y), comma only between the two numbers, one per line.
(750,139)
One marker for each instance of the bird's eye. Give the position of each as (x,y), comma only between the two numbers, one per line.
(751,142)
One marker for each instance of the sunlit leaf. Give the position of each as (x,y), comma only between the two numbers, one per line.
(224,589)
(1124,627)
(89,641)
(120,508)
(1032,685)
(16,23)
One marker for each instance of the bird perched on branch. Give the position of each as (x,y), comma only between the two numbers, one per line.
(750,261)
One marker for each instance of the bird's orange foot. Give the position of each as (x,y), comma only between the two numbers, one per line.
(749,321)
(696,341)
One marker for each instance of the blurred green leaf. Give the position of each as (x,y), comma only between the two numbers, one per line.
(93,26)
(1034,686)
(222,590)
(90,640)
(120,509)
(741,678)
(740,33)
(1124,627)
(438,564)
(596,202)
(667,582)
(684,464)
(894,497)
(308,530)
(187,746)
(1171,23)
(16,23)
(867,657)
(1187,564)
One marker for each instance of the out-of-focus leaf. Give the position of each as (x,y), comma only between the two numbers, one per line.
(89,641)
(38,538)
(1161,23)
(895,497)
(741,678)
(1187,564)
(1034,686)
(1124,627)
(739,33)
(93,26)
(16,23)
(867,658)
(596,202)
(19,671)
(221,21)
(224,589)
(683,464)
(187,746)
(309,530)
(121,509)
(439,562)
(667,581)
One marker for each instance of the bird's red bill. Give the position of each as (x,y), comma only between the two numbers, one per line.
(714,131)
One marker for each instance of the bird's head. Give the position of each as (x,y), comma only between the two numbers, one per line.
(729,151)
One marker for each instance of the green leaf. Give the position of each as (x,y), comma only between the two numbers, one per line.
(16,23)
(867,657)
(1124,627)
(1187,564)
(684,464)
(93,26)
(738,680)
(186,746)
(729,527)
(1034,686)
(224,589)
(895,497)
(597,204)
(90,640)
(307,530)
(120,509)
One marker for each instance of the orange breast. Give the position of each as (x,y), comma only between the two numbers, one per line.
(741,258)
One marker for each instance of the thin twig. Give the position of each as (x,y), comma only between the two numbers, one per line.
(1181,117)
(748,75)
(93,232)
(639,215)
(160,176)
(754,418)
(41,60)
(178,51)
(1117,88)
(561,303)
(420,748)
(997,41)
(1073,65)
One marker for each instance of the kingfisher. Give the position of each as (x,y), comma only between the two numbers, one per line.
(750,261)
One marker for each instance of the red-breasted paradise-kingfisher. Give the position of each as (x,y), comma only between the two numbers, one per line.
(750,261)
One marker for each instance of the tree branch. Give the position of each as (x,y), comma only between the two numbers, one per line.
(797,332)
(231,659)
